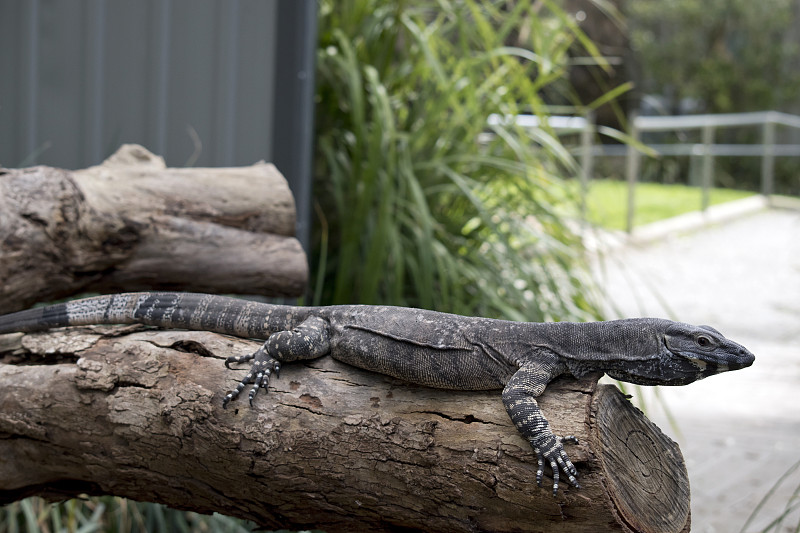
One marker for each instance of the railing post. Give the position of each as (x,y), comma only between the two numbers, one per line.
(587,160)
(768,160)
(708,165)
(632,172)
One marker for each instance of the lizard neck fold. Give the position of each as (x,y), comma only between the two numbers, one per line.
(603,346)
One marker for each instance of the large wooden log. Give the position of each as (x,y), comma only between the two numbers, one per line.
(137,412)
(134,224)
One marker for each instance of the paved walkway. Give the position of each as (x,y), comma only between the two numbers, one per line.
(739,432)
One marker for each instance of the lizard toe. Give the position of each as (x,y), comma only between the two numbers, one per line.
(554,466)
(241,358)
(539,466)
(232,395)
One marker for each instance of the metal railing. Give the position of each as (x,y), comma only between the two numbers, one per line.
(706,150)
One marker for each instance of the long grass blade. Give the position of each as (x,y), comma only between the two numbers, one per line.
(768,495)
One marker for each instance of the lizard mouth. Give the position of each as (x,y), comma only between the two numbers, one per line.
(709,363)
(736,361)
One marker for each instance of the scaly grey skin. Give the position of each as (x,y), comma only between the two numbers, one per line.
(425,347)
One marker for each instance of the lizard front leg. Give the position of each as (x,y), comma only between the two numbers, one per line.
(309,340)
(519,398)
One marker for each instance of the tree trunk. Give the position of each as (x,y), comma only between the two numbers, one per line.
(137,412)
(132,224)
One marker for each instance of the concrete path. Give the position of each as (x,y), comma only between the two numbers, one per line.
(739,432)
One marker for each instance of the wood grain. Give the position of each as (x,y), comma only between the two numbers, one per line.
(646,475)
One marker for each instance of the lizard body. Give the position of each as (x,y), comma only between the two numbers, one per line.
(425,347)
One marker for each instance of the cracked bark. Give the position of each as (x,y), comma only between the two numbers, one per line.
(137,412)
(133,224)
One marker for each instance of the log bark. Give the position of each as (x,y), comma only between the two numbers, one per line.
(133,224)
(136,412)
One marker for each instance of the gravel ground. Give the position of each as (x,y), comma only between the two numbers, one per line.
(739,432)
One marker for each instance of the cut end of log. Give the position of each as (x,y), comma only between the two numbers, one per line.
(646,476)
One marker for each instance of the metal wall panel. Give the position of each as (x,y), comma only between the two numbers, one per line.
(83,76)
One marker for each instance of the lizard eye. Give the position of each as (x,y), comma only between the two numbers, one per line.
(704,342)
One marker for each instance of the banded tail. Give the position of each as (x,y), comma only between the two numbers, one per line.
(175,310)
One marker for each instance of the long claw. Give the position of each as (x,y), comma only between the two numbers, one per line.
(559,462)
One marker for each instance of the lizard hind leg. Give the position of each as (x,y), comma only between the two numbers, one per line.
(309,340)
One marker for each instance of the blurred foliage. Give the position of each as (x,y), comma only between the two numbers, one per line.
(110,514)
(417,206)
(731,56)
(722,57)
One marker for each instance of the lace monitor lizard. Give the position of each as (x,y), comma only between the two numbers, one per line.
(426,347)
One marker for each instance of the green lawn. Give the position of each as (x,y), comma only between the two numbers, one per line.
(608,201)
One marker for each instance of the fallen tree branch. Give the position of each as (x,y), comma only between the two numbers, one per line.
(137,412)
(133,224)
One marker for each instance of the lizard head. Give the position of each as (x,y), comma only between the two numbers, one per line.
(688,353)
(706,349)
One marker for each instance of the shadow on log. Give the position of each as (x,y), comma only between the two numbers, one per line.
(136,412)
(134,224)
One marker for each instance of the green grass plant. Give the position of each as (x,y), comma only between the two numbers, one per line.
(607,202)
(413,209)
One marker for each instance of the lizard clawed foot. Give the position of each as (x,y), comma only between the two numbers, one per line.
(553,452)
(259,374)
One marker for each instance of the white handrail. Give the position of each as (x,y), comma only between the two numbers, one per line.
(707,149)
(688,122)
